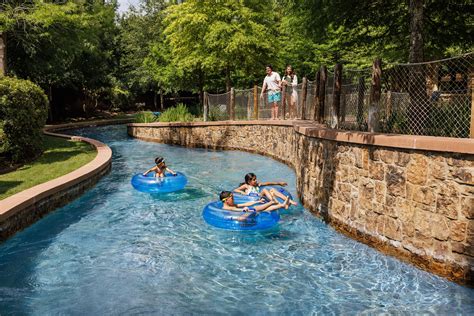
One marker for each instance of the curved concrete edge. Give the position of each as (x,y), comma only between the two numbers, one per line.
(26,199)
(313,129)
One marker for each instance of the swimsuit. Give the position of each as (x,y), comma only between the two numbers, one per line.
(251,190)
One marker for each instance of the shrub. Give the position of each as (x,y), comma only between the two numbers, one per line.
(145,117)
(24,110)
(180,113)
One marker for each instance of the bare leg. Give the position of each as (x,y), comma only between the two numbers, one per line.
(267,194)
(257,208)
(281,196)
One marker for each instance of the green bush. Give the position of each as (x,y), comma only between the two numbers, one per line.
(23,110)
(180,113)
(145,117)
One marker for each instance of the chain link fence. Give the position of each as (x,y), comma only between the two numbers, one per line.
(432,98)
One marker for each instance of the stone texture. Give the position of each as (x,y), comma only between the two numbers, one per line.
(395,179)
(467,207)
(457,230)
(417,169)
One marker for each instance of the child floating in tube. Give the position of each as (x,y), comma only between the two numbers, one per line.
(160,168)
(252,187)
(250,207)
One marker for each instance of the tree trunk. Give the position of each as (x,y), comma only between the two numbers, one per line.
(3,54)
(418,109)
(162,101)
(416,31)
(228,83)
(50,99)
(201,86)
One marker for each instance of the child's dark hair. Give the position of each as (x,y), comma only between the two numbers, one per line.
(270,66)
(159,160)
(249,176)
(224,195)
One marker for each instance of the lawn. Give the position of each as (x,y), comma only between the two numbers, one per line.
(60,157)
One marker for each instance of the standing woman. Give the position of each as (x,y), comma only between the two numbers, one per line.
(272,83)
(291,80)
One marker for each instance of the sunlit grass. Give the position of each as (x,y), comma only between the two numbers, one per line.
(60,157)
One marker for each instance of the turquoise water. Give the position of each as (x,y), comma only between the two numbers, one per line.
(118,251)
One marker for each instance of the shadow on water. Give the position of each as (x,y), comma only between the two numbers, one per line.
(188,193)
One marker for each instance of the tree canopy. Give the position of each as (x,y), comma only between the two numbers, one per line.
(86,47)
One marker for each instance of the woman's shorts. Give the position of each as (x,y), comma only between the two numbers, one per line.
(274,96)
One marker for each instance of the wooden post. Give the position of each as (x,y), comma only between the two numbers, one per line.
(232,104)
(283,101)
(249,107)
(472,105)
(315,102)
(322,92)
(375,93)
(206,107)
(255,102)
(360,102)
(336,93)
(304,93)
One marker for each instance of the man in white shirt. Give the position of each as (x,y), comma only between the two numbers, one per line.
(272,83)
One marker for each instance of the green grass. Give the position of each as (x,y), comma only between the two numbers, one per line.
(60,157)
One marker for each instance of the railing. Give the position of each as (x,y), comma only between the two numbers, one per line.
(433,98)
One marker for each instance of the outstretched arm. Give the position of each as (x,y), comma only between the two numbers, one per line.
(171,171)
(250,203)
(241,189)
(149,170)
(235,208)
(273,183)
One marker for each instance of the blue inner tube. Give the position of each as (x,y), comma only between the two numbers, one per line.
(152,184)
(215,215)
(241,198)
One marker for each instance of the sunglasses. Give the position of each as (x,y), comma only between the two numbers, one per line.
(225,199)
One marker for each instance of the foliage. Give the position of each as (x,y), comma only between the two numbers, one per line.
(60,156)
(232,38)
(83,47)
(145,117)
(23,108)
(180,113)
(67,45)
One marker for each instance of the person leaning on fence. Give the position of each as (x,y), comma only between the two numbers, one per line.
(272,83)
(291,81)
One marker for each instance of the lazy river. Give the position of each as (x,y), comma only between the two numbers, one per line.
(116,250)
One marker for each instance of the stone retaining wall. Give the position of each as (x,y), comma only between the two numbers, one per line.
(415,204)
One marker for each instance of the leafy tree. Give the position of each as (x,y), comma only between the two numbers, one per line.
(221,37)
(61,45)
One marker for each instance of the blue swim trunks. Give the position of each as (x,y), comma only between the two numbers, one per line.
(274,96)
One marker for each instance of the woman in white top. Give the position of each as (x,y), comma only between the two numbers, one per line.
(291,81)
(272,83)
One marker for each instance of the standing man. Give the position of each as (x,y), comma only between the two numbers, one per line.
(272,83)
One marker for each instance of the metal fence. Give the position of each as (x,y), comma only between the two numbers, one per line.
(433,98)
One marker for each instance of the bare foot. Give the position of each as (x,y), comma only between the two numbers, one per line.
(293,202)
